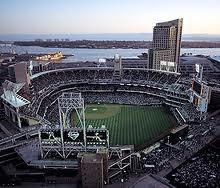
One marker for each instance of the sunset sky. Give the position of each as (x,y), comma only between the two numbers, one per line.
(106,16)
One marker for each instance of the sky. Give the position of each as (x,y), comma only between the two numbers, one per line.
(106,16)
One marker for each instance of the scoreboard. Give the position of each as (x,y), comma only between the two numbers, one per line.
(75,136)
(201,95)
(49,136)
(97,137)
(196,87)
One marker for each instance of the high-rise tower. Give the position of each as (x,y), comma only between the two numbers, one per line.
(165,52)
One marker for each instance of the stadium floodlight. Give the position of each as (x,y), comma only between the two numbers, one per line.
(31,68)
(197,68)
(117,57)
(199,71)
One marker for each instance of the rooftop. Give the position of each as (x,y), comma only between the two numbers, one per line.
(91,158)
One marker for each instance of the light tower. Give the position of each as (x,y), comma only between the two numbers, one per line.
(117,67)
(201,93)
(66,103)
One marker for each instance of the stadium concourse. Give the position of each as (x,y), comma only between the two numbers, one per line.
(137,87)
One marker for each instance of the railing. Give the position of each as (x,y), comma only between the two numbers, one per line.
(17,139)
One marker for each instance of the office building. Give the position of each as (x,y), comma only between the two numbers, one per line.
(165,52)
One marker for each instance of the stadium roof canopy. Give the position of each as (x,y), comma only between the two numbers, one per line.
(217,58)
(16,102)
(66,69)
(99,68)
(10,94)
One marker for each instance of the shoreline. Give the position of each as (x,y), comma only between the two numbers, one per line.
(89,44)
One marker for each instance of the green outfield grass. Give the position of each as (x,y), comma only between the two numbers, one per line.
(129,124)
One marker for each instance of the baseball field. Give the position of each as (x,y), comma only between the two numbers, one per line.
(129,124)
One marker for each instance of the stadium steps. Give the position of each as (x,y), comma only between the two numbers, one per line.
(36,118)
(116,76)
(2,113)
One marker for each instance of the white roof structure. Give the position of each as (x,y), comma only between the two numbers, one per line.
(217,58)
(10,94)
(16,102)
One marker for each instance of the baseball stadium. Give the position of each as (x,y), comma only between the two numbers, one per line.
(67,113)
(134,114)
